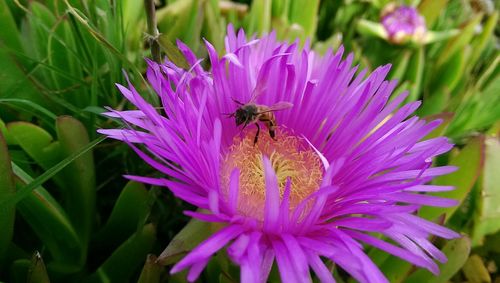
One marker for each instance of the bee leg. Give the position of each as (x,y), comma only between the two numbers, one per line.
(256,135)
(272,133)
(272,130)
(237,102)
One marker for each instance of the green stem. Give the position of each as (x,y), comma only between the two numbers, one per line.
(153,33)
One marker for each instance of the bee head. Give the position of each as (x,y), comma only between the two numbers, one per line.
(241,116)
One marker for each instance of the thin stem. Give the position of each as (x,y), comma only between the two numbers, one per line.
(153,33)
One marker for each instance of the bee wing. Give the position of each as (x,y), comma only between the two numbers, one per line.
(282,105)
(258,90)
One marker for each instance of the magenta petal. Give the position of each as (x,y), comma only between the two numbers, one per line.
(208,247)
(397,251)
(272,196)
(324,275)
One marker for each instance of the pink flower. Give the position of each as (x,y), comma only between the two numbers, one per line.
(344,163)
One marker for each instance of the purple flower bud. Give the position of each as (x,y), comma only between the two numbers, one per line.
(403,23)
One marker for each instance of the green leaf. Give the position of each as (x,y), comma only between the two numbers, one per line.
(5,134)
(85,22)
(475,271)
(19,270)
(51,224)
(36,142)
(182,20)
(49,115)
(259,18)
(305,14)
(15,83)
(487,214)
(395,269)
(400,65)
(436,36)
(415,73)
(441,129)
(469,161)
(458,43)
(213,27)
(189,237)
(37,272)
(457,251)
(132,12)
(79,175)
(436,103)
(172,52)
(479,109)
(128,215)
(151,271)
(431,9)
(55,43)
(25,191)
(9,35)
(479,43)
(120,266)
(370,28)
(449,74)
(7,189)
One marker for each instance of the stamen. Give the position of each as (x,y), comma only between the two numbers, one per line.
(291,157)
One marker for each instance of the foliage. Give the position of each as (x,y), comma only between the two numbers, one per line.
(68,215)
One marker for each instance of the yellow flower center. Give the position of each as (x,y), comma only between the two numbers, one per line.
(290,156)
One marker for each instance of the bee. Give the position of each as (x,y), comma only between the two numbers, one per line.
(252,113)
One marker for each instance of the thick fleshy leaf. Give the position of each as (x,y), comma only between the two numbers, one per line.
(435,36)
(37,272)
(79,176)
(7,189)
(400,65)
(14,83)
(51,225)
(441,129)
(431,9)
(451,71)
(457,251)
(38,181)
(460,41)
(475,271)
(480,107)
(259,18)
(479,43)
(8,33)
(469,162)
(128,215)
(151,271)
(173,52)
(487,220)
(371,29)
(415,74)
(120,266)
(213,27)
(304,13)
(53,41)
(182,20)
(188,238)
(395,269)
(36,142)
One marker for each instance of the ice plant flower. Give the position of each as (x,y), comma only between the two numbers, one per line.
(403,23)
(345,164)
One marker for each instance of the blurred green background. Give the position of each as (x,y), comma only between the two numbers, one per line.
(68,215)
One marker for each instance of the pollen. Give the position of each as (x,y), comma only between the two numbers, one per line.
(291,157)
